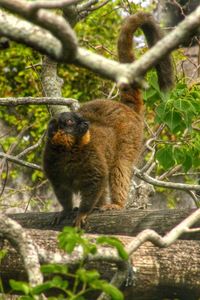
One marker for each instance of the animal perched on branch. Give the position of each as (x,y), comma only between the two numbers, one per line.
(94,150)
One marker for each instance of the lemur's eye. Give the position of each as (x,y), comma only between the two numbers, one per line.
(69,122)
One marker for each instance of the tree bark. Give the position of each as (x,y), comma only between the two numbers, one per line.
(126,222)
(169,273)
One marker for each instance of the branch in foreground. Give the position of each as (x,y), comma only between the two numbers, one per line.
(20,162)
(37,101)
(52,22)
(157,240)
(168,239)
(19,239)
(31,35)
(121,73)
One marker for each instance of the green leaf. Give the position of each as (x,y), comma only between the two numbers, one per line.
(173,120)
(69,238)
(161,112)
(109,289)
(54,268)
(20,286)
(165,157)
(39,289)
(179,155)
(87,276)
(183,158)
(3,253)
(72,237)
(187,164)
(184,105)
(58,282)
(112,241)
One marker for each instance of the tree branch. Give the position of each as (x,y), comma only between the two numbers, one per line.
(52,22)
(31,148)
(52,4)
(37,101)
(121,73)
(169,185)
(17,236)
(168,239)
(20,162)
(30,35)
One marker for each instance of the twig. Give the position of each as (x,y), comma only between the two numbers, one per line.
(170,172)
(170,185)
(98,6)
(20,162)
(86,6)
(31,148)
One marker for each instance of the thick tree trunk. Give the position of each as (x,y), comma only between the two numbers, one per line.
(127,222)
(169,273)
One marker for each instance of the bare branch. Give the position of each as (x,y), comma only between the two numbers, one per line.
(20,162)
(17,236)
(98,6)
(121,73)
(37,101)
(31,148)
(87,5)
(29,34)
(52,22)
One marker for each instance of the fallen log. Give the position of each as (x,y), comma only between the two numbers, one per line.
(126,222)
(173,272)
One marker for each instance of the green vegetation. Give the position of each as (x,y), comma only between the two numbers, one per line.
(73,285)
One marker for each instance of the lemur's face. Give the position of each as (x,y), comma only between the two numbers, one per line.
(67,127)
(73,124)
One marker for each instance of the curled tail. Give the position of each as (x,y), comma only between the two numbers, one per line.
(131,95)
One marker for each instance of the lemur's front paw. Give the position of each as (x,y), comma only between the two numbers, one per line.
(111,206)
(80,219)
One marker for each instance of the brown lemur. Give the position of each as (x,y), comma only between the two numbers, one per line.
(95,148)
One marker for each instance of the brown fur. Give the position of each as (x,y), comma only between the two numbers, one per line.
(60,138)
(109,148)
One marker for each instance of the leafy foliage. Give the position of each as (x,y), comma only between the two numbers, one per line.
(84,280)
(178,111)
